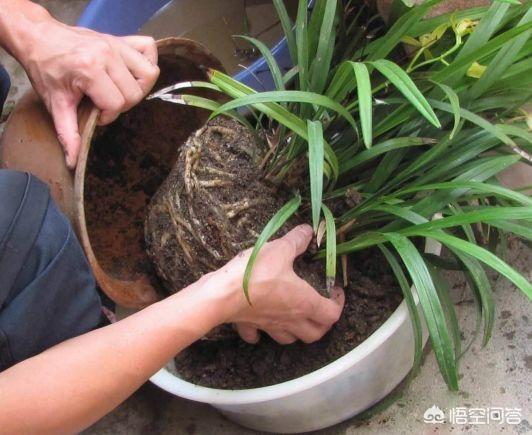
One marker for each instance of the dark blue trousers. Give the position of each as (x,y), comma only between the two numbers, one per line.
(47,290)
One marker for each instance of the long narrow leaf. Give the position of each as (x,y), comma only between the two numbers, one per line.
(270,60)
(273,225)
(410,303)
(315,161)
(381,148)
(484,256)
(302,44)
(287,26)
(455,105)
(322,61)
(288,96)
(490,189)
(364,101)
(407,87)
(483,287)
(330,249)
(432,308)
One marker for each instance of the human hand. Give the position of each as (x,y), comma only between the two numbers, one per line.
(283,305)
(65,63)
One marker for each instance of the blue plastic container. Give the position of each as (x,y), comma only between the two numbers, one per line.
(126,17)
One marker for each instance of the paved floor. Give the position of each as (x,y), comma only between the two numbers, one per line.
(497,376)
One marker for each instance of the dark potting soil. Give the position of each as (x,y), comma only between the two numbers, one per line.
(372,296)
(127,163)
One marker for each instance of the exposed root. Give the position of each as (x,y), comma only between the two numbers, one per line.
(345,227)
(214,183)
(235,209)
(215,171)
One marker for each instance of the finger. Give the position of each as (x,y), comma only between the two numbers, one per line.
(106,97)
(282,337)
(299,237)
(143,44)
(308,331)
(327,311)
(65,117)
(145,72)
(126,83)
(248,333)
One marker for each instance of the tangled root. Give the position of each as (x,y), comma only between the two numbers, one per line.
(213,204)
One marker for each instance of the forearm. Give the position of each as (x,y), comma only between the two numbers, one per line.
(70,386)
(20,22)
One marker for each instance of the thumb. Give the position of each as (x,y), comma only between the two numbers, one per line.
(299,237)
(65,116)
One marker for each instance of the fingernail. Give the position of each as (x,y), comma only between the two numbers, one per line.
(305,227)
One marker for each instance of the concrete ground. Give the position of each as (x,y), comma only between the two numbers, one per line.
(497,376)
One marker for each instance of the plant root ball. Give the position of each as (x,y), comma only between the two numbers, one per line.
(212,206)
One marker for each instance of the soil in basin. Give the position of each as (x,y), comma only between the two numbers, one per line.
(214,204)
(371,297)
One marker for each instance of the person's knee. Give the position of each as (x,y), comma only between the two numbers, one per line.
(47,290)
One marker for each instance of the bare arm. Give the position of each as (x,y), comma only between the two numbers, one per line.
(64,63)
(72,385)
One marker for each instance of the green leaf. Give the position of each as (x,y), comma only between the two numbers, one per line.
(448,308)
(270,60)
(483,255)
(486,214)
(274,110)
(322,61)
(459,66)
(523,231)
(330,249)
(455,105)
(483,287)
(475,119)
(273,225)
(484,30)
(286,24)
(432,308)
(342,82)
(315,24)
(302,44)
(502,61)
(364,101)
(381,47)
(513,130)
(406,86)
(410,303)
(315,162)
(287,96)
(381,148)
(488,189)
(203,103)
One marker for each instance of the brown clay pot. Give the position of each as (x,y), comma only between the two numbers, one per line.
(30,144)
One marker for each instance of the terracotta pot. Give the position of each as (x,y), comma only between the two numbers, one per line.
(30,144)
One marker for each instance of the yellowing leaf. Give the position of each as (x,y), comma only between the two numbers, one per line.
(430,38)
(465,26)
(410,41)
(476,70)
